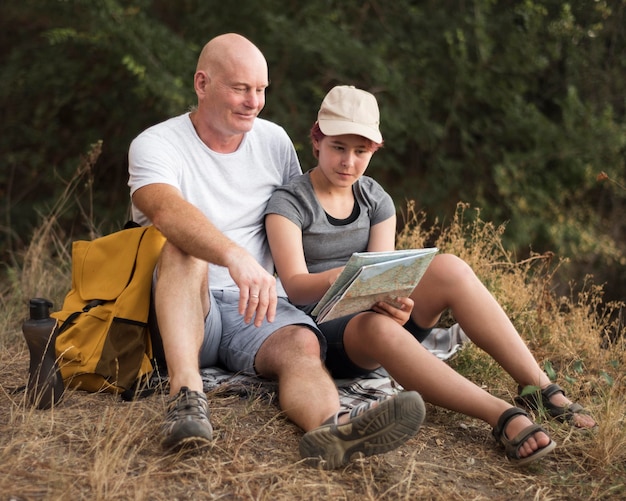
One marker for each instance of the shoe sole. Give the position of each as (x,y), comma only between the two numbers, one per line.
(381,429)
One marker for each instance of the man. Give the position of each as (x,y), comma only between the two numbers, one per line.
(204,179)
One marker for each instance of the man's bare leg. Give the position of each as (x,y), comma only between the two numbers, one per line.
(309,397)
(182,303)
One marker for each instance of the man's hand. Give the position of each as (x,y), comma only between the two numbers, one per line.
(257,288)
(400,314)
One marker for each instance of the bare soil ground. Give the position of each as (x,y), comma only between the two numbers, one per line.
(97,447)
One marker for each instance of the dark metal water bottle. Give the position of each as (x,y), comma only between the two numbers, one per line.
(45,384)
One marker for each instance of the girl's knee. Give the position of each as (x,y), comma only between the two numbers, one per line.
(448,261)
(449,268)
(374,328)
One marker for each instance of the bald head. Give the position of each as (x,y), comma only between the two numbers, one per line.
(226,52)
(230,82)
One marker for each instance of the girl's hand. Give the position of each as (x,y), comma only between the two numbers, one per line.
(400,313)
(333,274)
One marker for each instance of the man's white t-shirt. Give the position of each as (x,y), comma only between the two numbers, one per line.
(231,189)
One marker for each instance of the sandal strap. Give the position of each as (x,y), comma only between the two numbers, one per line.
(512,446)
(540,400)
(566,412)
(550,390)
(576,408)
(503,421)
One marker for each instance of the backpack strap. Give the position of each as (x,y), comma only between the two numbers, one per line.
(69,320)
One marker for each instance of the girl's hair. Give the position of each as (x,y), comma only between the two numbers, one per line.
(318,135)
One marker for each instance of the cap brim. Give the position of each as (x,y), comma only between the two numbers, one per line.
(341,127)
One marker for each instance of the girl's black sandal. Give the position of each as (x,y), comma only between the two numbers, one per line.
(540,401)
(512,446)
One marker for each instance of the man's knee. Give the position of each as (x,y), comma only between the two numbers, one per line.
(301,339)
(183,265)
(179,274)
(294,344)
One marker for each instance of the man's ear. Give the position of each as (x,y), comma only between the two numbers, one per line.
(200,81)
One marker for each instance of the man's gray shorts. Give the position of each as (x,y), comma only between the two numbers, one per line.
(228,340)
(240,342)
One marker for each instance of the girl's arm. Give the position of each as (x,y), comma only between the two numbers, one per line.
(383,236)
(285,239)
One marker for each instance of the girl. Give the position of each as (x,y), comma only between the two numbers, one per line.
(318,220)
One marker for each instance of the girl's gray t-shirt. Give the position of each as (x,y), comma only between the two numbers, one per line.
(327,242)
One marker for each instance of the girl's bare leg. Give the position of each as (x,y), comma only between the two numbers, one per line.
(450,283)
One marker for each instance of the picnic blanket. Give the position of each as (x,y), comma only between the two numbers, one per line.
(443,343)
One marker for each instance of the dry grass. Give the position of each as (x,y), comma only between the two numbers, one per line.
(96,447)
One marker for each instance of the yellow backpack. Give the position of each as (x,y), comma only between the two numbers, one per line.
(102,340)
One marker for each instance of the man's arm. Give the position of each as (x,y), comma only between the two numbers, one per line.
(186,227)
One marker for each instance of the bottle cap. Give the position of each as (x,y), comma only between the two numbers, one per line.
(39,308)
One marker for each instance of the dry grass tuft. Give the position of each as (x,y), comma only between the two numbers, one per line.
(96,447)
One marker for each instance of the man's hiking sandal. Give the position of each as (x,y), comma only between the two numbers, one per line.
(187,422)
(373,428)
(540,401)
(512,446)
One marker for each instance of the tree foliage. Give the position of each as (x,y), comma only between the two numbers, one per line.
(514,107)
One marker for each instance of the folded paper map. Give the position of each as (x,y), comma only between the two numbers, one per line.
(370,277)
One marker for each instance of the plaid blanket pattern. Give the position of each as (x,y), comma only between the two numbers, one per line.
(443,343)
